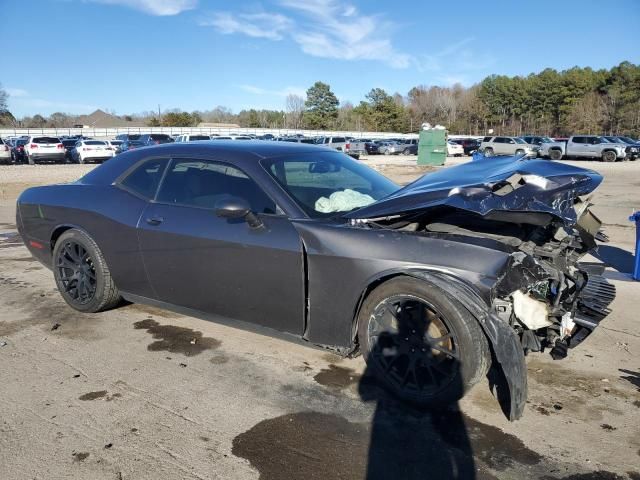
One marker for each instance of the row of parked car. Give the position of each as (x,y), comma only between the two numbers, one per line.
(607,148)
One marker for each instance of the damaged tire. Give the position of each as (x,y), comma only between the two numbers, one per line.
(421,343)
(81,273)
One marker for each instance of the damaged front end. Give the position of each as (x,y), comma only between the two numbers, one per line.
(536,211)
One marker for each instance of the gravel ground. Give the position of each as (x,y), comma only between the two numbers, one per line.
(127,394)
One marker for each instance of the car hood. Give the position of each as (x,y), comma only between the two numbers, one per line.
(498,184)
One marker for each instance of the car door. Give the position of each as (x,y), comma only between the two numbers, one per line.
(222,266)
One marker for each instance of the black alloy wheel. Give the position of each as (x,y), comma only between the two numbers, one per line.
(76,272)
(413,345)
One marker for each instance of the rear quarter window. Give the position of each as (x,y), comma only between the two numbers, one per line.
(145,178)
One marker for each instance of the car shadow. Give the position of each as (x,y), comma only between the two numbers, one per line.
(615,257)
(410,442)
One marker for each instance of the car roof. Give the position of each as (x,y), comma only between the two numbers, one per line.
(244,153)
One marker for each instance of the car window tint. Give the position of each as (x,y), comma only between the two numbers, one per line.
(144,180)
(45,140)
(203,184)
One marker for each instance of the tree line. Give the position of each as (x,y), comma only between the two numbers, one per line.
(549,102)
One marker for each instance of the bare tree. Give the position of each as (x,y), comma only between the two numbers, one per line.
(295,109)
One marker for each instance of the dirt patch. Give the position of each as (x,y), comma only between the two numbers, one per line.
(174,339)
(93,395)
(79,456)
(219,359)
(152,311)
(336,377)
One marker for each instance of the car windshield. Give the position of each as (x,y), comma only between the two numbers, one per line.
(604,140)
(326,183)
(519,140)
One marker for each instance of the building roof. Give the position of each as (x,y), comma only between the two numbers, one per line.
(102,119)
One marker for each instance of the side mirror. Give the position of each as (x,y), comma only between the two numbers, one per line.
(234,207)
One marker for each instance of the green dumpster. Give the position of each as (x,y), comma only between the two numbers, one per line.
(432,147)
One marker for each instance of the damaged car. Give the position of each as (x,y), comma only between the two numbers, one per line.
(467,267)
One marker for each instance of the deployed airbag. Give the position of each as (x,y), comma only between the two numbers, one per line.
(343,201)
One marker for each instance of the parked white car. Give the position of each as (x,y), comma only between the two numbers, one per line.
(454,149)
(114,145)
(44,148)
(192,138)
(92,150)
(5,152)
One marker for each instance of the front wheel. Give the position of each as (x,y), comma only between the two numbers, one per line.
(609,156)
(555,154)
(81,273)
(488,152)
(421,343)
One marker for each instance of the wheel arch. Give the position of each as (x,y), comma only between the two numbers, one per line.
(504,342)
(60,229)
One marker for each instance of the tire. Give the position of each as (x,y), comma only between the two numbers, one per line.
(519,152)
(387,152)
(30,160)
(555,154)
(76,259)
(395,348)
(406,151)
(488,152)
(609,156)
(80,159)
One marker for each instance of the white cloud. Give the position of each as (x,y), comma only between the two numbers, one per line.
(276,93)
(21,102)
(335,30)
(155,7)
(258,25)
(17,92)
(326,29)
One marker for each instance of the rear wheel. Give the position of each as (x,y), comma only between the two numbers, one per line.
(609,156)
(81,273)
(421,343)
(488,152)
(555,154)
(30,160)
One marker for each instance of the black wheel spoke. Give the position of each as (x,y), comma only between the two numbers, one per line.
(418,352)
(76,272)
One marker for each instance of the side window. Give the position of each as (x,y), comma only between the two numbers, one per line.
(144,180)
(200,183)
(578,140)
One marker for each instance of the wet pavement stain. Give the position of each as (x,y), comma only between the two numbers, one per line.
(93,395)
(219,359)
(315,445)
(79,456)
(174,339)
(337,377)
(10,240)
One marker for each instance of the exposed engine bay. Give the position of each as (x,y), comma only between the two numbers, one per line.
(538,214)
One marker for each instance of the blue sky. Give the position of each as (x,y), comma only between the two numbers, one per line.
(131,55)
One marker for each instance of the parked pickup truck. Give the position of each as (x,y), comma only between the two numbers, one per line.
(347,145)
(584,146)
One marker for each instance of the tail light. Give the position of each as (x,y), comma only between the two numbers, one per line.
(157,142)
(33,145)
(60,145)
(20,147)
(347,146)
(6,149)
(85,149)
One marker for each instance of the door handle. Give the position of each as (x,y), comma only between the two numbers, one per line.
(154,220)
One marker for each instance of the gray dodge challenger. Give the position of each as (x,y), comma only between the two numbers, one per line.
(466,268)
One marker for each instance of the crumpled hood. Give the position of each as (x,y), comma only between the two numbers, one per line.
(497,184)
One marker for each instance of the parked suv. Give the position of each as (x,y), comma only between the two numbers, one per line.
(44,148)
(632,149)
(506,146)
(5,151)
